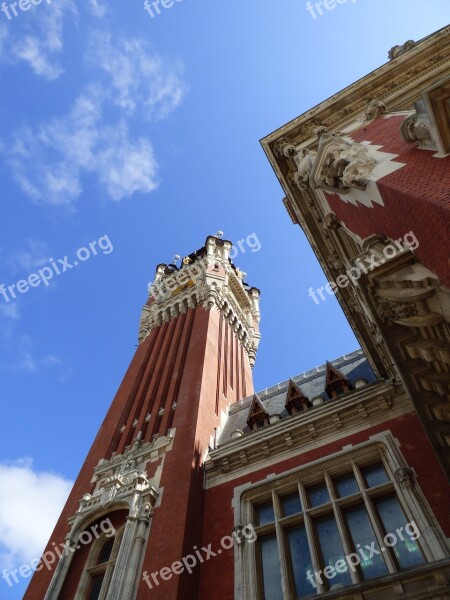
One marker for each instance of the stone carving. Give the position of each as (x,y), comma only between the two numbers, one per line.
(341,165)
(304,160)
(320,130)
(284,149)
(404,477)
(331,222)
(391,310)
(398,50)
(240,534)
(335,262)
(417,128)
(375,108)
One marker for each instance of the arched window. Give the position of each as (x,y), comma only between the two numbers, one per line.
(100,567)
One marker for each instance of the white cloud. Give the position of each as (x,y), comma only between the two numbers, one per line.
(52,160)
(27,360)
(139,78)
(9,311)
(96,8)
(33,255)
(30,503)
(39,38)
(49,161)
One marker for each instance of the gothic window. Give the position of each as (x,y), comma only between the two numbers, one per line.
(100,566)
(320,532)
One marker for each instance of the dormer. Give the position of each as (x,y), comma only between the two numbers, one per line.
(257,415)
(336,383)
(296,401)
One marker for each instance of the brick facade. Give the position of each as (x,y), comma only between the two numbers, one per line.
(409,205)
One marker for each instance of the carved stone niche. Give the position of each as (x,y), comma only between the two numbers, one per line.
(341,165)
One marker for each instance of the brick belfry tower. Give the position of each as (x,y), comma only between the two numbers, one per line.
(198,341)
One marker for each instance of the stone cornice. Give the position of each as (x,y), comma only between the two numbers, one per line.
(393,86)
(360,409)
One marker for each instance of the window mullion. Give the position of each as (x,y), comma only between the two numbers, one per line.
(345,538)
(281,538)
(312,540)
(378,528)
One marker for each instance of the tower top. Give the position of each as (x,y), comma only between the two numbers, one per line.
(205,278)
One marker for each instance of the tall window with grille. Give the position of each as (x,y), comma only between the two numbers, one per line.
(309,524)
(100,567)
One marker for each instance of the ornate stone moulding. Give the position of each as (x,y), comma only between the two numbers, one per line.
(389,88)
(341,165)
(123,476)
(211,282)
(293,433)
(338,166)
(120,483)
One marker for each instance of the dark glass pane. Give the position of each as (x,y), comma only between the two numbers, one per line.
(270,568)
(407,549)
(362,533)
(96,586)
(265,513)
(105,552)
(332,551)
(291,504)
(301,562)
(375,475)
(318,494)
(346,485)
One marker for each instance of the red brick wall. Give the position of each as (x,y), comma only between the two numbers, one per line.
(416,198)
(177,523)
(182,361)
(217,574)
(41,579)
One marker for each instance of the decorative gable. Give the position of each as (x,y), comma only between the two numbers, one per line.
(296,401)
(257,415)
(336,384)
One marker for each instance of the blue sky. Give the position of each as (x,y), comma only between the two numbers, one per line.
(146,131)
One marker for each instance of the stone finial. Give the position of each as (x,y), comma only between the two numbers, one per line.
(398,50)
